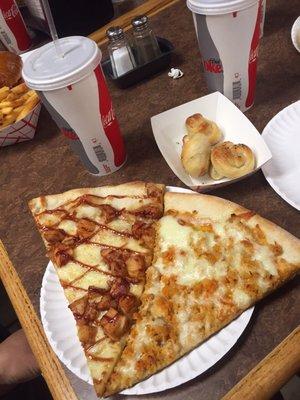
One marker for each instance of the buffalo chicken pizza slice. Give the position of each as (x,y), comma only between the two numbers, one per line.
(213,259)
(101,242)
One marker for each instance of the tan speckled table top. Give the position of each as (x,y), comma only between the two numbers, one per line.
(47,165)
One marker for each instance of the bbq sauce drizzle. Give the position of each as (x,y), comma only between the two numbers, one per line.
(142,215)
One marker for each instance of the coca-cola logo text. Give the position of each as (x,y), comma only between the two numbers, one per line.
(213,65)
(11,13)
(108,118)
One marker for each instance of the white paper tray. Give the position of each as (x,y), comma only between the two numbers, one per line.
(169,130)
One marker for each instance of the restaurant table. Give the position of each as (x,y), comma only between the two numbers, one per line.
(47,165)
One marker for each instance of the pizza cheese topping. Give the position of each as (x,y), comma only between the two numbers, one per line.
(205,272)
(101,247)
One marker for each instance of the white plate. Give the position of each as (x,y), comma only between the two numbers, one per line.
(295,34)
(60,329)
(282,134)
(169,130)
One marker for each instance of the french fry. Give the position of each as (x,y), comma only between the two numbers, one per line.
(31,92)
(9,119)
(17,110)
(25,96)
(11,96)
(32,97)
(6,110)
(27,108)
(16,103)
(4,104)
(4,91)
(22,88)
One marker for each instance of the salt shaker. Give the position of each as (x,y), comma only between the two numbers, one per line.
(120,53)
(145,42)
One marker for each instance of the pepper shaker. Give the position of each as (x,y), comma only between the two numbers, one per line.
(120,53)
(145,42)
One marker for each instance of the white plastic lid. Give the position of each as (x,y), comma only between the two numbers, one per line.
(217,7)
(45,70)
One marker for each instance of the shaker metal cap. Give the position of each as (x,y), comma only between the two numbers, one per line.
(114,32)
(139,21)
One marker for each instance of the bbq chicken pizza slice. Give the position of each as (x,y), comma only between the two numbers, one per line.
(100,242)
(213,259)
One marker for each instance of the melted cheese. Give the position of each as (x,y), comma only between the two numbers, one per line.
(68,226)
(128,203)
(220,269)
(185,331)
(236,255)
(265,257)
(109,238)
(232,231)
(70,271)
(88,254)
(120,225)
(219,228)
(49,219)
(173,234)
(87,211)
(93,278)
(263,284)
(105,348)
(136,290)
(188,267)
(73,294)
(241,298)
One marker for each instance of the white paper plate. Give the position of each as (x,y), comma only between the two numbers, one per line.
(282,134)
(169,130)
(60,329)
(295,34)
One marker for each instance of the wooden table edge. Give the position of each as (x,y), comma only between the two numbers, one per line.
(271,373)
(51,368)
(149,8)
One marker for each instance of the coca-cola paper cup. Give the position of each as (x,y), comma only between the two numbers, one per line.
(228,36)
(74,91)
(13,31)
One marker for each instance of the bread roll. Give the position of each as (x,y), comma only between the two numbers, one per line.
(213,173)
(195,154)
(10,68)
(231,160)
(198,124)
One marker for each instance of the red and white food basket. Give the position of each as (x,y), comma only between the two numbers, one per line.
(22,130)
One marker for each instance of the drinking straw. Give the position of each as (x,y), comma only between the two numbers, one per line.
(52,28)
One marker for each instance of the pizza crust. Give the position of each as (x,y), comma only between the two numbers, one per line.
(204,205)
(52,201)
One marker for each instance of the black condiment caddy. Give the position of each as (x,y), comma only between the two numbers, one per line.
(144,71)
